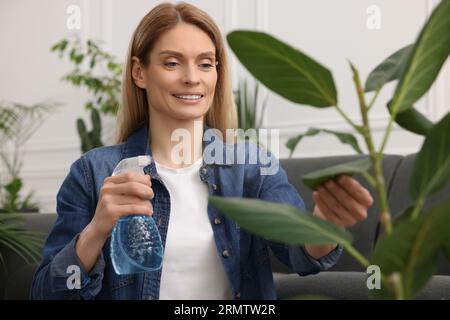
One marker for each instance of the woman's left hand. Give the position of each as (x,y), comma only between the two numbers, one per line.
(343,201)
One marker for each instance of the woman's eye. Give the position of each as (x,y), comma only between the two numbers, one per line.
(206,66)
(171,64)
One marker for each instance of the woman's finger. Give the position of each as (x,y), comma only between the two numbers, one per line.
(326,211)
(355,209)
(122,199)
(356,190)
(129,188)
(130,177)
(336,207)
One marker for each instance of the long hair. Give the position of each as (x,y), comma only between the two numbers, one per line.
(134,111)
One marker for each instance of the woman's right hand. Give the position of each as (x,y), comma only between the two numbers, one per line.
(121,195)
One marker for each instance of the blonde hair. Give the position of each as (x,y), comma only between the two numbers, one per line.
(134,112)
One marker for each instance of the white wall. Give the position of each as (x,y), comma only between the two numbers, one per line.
(328,30)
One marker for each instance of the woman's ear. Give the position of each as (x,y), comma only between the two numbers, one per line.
(137,72)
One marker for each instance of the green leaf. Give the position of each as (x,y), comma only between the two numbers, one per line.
(345,138)
(284,69)
(431,170)
(279,222)
(428,55)
(26,244)
(314,179)
(412,120)
(390,69)
(412,249)
(14,186)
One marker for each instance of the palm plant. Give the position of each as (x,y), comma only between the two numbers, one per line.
(18,123)
(26,244)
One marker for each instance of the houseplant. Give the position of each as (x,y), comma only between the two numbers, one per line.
(99,73)
(250,112)
(408,249)
(17,124)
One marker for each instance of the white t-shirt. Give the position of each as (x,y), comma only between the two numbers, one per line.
(191,266)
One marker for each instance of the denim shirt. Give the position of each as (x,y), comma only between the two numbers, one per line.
(245,256)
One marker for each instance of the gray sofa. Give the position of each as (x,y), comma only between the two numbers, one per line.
(346,280)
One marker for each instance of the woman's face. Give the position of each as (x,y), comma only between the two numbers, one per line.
(181,76)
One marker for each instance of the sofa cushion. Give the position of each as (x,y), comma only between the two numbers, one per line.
(347,286)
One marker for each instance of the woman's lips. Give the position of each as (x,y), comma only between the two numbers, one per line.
(188,99)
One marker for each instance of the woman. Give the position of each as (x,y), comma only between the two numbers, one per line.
(176,76)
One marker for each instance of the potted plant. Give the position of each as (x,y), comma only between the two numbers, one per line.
(407,252)
(18,122)
(98,72)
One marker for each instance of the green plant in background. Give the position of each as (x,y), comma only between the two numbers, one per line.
(90,139)
(17,124)
(98,72)
(407,252)
(249,113)
(26,244)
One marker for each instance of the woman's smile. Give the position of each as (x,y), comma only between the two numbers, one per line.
(188,98)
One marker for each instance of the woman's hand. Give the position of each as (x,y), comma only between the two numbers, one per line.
(121,195)
(343,201)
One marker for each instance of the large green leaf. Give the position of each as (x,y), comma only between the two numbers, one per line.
(314,179)
(412,120)
(284,69)
(431,169)
(390,69)
(345,138)
(428,55)
(412,250)
(279,222)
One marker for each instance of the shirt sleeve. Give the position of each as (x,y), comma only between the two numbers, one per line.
(275,187)
(61,274)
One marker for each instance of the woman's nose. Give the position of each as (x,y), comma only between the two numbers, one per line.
(190,76)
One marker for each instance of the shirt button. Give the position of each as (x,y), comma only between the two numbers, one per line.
(214,186)
(217,221)
(204,170)
(225,253)
(238,295)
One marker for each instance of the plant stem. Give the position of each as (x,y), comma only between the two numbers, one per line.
(385,215)
(358,128)
(417,208)
(397,284)
(374,98)
(375,157)
(356,254)
(386,134)
(369,179)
